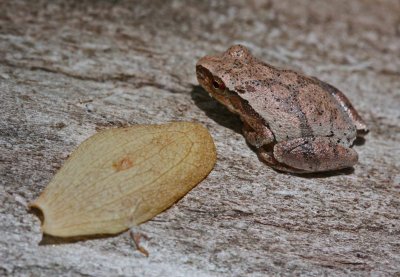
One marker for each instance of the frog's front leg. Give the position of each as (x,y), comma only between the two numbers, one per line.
(314,154)
(258,134)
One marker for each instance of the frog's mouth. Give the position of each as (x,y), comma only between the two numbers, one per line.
(213,85)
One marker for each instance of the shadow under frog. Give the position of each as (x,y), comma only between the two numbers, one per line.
(215,110)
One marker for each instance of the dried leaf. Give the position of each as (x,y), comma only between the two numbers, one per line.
(122,177)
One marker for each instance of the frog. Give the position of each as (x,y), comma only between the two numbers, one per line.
(296,122)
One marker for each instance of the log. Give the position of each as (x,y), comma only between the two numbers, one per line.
(71,68)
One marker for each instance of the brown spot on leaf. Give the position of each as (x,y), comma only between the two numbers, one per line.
(123,164)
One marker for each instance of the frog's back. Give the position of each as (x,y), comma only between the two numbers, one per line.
(294,105)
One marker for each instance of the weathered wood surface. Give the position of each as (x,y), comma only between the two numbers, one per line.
(69,68)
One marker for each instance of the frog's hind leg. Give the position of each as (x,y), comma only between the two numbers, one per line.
(261,137)
(267,157)
(314,154)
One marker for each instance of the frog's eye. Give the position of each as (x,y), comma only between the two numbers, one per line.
(217,85)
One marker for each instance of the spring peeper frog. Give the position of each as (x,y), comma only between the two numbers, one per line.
(297,123)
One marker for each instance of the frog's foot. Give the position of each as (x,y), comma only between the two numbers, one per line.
(314,154)
(268,157)
(258,136)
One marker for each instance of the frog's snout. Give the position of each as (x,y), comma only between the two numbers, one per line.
(203,76)
(200,73)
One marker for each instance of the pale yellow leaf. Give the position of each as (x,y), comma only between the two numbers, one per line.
(122,177)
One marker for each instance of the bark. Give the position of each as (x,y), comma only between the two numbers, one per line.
(70,68)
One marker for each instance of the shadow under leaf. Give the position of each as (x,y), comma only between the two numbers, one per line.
(52,240)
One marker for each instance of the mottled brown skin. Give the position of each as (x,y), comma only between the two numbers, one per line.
(298,123)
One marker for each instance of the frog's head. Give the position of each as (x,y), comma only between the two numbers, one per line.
(219,74)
